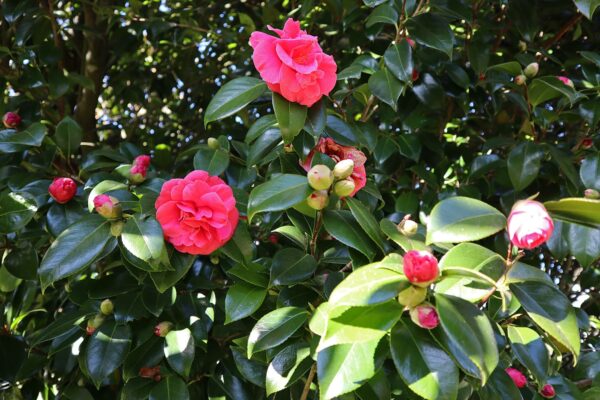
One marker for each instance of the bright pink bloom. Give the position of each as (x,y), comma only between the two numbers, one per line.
(197,213)
(338,153)
(420,267)
(143,160)
(529,224)
(294,64)
(11,120)
(62,189)
(566,81)
(425,316)
(517,376)
(548,391)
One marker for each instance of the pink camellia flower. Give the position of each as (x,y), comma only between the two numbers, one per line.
(517,376)
(529,224)
(62,189)
(566,81)
(338,153)
(197,213)
(107,206)
(548,391)
(425,316)
(420,267)
(294,64)
(11,120)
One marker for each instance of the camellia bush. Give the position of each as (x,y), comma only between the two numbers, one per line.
(378,199)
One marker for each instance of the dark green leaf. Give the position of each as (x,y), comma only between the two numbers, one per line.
(106,350)
(16,210)
(279,193)
(524,164)
(242,300)
(68,135)
(232,97)
(289,365)
(547,88)
(530,350)
(215,162)
(398,58)
(366,220)
(386,87)
(291,266)
(343,227)
(275,328)
(179,350)
(587,7)
(590,172)
(149,354)
(170,388)
(12,141)
(290,117)
(432,31)
(383,14)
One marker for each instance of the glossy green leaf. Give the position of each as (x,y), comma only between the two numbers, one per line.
(179,351)
(181,264)
(576,210)
(547,88)
(275,328)
(22,261)
(259,127)
(170,388)
(148,355)
(16,210)
(232,97)
(398,59)
(62,324)
(289,365)
(365,219)
(433,31)
(290,117)
(279,193)
(406,243)
(143,237)
(215,162)
(590,172)
(530,350)
(68,135)
(12,141)
(263,145)
(500,386)
(242,300)
(386,87)
(463,219)
(524,163)
(587,7)
(343,227)
(291,266)
(106,350)
(383,14)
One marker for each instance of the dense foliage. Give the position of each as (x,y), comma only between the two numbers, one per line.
(214,269)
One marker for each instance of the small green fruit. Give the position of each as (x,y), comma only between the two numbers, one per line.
(213,143)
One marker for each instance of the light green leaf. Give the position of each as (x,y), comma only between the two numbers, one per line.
(143,237)
(406,243)
(289,365)
(576,210)
(547,88)
(365,219)
(587,7)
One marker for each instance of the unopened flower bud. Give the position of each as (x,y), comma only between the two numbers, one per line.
(344,188)
(137,173)
(408,227)
(107,206)
(116,228)
(11,120)
(591,194)
(425,316)
(532,70)
(415,74)
(566,81)
(318,200)
(520,80)
(320,177)
(107,307)
(517,377)
(343,169)
(149,372)
(420,267)
(548,391)
(411,42)
(94,323)
(288,148)
(522,46)
(214,259)
(163,328)
(213,143)
(587,143)
(62,189)
(412,296)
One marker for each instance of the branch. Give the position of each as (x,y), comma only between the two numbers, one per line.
(311,376)
(566,28)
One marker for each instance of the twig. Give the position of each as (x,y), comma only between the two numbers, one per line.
(566,28)
(315,235)
(311,376)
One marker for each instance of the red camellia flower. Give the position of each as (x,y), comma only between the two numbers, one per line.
(338,153)
(11,120)
(548,391)
(517,376)
(197,213)
(425,316)
(529,224)
(420,267)
(293,65)
(62,189)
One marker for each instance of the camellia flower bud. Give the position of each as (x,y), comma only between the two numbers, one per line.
(116,228)
(529,224)
(11,120)
(107,206)
(288,148)
(587,143)
(517,376)
(213,143)
(137,173)
(420,267)
(411,42)
(149,372)
(548,391)
(163,328)
(107,307)
(522,45)
(318,200)
(591,194)
(320,177)
(62,189)
(566,81)
(94,324)
(532,70)
(343,169)
(412,296)
(344,188)
(408,227)
(520,80)
(425,316)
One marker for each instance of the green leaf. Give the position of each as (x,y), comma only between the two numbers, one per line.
(343,227)
(590,172)
(383,14)
(148,354)
(370,284)
(406,243)
(68,135)
(366,220)
(587,7)
(524,164)
(291,266)
(75,248)
(432,31)
(215,162)
(294,234)
(576,210)
(473,257)
(252,370)
(262,146)
(12,141)
(259,127)
(551,310)
(275,328)
(181,264)
(463,219)
(232,97)
(290,117)
(530,350)
(510,67)
(500,386)
(62,324)
(547,88)
(22,261)
(386,87)
(584,242)
(16,210)
(103,187)
(468,329)
(317,118)
(279,193)
(179,351)
(242,300)
(289,365)
(106,350)
(143,237)
(398,59)
(239,248)
(344,368)
(425,368)
(170,388)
